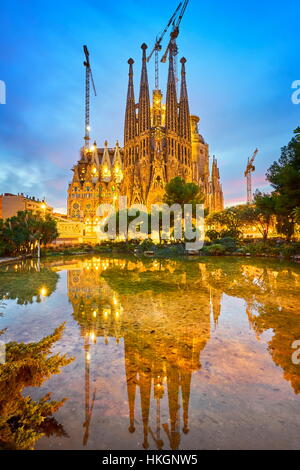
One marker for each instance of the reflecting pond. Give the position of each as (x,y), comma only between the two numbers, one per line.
(169,354)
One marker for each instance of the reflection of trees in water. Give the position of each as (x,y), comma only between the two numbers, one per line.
(26,283)
(272,296)
(285,325)
(150,306)
(2,307)
(22,420)
(242,278)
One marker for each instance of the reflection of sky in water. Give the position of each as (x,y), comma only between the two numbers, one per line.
(193,354)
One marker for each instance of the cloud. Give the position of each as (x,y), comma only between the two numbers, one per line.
(239,79)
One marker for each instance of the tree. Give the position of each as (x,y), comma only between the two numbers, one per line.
(15,235)
(231,220)
(22,420)
(234,219)
(264,211)
(177,191)
(284,177)
(49,230)
(118,219)
(19,234)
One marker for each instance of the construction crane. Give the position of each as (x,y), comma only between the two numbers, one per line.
(248,174)
(172,46)
(157,47)
(88,80)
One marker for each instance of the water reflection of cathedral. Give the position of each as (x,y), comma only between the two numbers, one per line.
(163,338)
(163,314)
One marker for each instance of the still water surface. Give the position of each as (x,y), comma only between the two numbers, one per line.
(181,354)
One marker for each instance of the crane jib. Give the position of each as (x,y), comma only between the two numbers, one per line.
(157,45)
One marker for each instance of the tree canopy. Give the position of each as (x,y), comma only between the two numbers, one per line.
(284,177)
(231,220)
(20,233)
(22,420)
(282,205)
(177,191)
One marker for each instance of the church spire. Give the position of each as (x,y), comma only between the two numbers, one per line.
(171,103)
(130,116)
(144,100)
(184,111)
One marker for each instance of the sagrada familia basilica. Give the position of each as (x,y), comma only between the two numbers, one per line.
(161,141)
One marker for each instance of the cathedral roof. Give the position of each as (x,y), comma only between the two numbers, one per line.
(111,153)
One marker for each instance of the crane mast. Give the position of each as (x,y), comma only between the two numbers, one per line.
(88,80)
(248,175)
(172,46)
(157,47)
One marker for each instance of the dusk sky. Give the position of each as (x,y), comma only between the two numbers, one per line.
(243,57)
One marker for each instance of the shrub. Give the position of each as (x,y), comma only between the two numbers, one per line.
(228,243)
(147,245)
(216,250)
(213,235)
(290,249)
(257,248)
(174,249)
(123,247)
(204,250)
(102,249)
(233,233)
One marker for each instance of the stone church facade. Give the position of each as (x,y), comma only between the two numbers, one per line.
(161,141)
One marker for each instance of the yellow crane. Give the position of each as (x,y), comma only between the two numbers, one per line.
(248,175)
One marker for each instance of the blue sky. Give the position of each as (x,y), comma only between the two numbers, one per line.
(242,59)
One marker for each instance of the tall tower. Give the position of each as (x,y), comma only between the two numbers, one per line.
(144,126)
(144,118)
(171,126)
(200,159)
(171,102)
(130,114)
(217,200)
(130,134)
(137,137)
(184,110)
